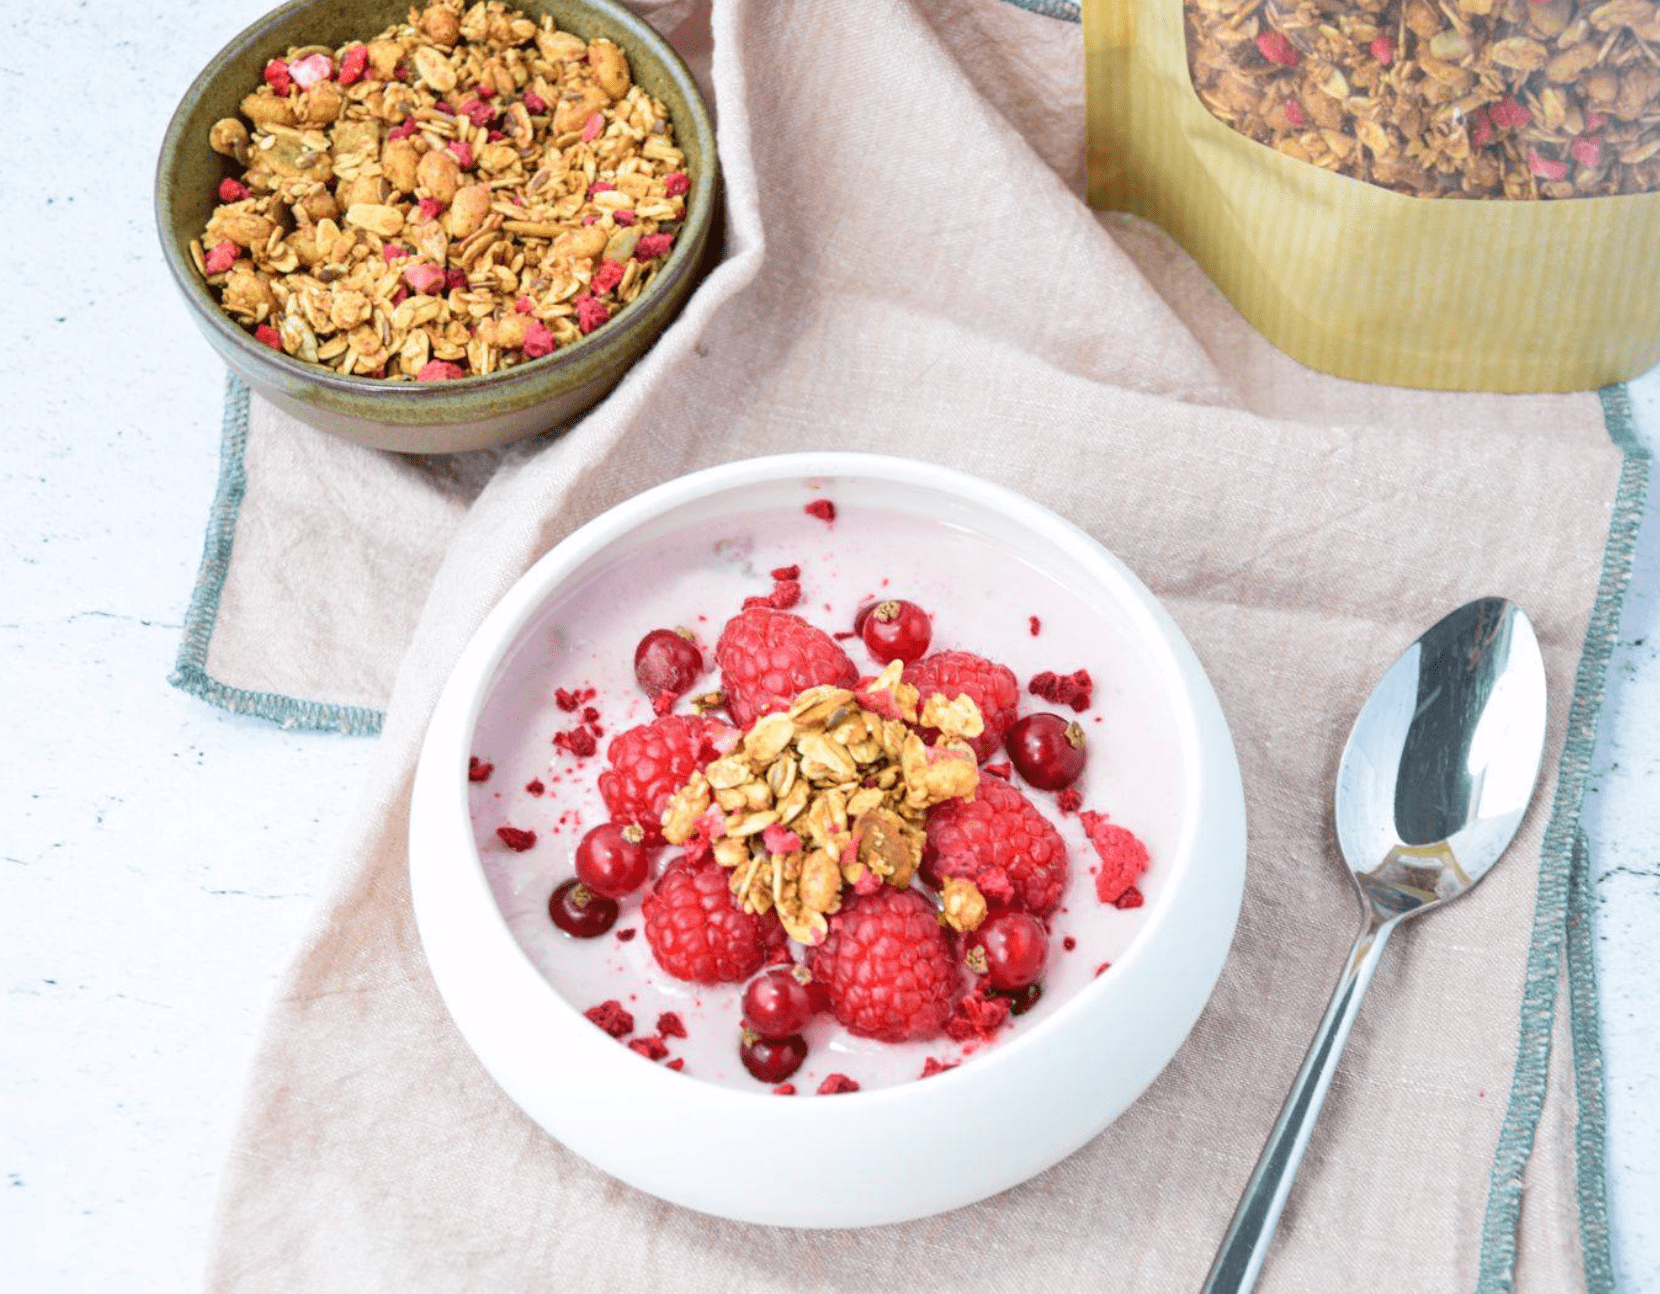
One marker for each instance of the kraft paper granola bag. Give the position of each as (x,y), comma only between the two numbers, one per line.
(1462,194)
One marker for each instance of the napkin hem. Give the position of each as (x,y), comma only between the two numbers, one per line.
(1561,908)
(190,672)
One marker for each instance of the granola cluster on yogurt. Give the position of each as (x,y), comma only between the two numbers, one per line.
(467,191)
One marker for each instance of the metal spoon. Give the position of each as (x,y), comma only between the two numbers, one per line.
(1433,783)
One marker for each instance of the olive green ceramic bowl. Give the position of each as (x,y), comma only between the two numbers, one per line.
(440,417)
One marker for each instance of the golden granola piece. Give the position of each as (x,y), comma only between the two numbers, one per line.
(963,906)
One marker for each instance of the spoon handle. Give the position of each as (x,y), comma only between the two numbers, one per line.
(1239,1259)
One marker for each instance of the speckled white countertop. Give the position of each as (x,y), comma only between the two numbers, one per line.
(161,857)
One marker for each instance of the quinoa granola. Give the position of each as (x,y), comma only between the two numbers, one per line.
(1442,98)
(468,191)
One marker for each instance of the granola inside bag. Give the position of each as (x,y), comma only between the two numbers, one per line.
(1297,149)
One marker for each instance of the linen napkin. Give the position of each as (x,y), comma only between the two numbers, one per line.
(910,269)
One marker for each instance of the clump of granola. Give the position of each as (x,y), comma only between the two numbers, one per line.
(467,191)
(831,796)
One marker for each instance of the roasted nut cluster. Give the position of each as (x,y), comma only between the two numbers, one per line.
(1455,98)
(467,191)
(832,794)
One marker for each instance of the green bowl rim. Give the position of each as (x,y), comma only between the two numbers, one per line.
(591,353)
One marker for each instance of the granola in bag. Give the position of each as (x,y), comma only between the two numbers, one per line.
(1457,99)
(1300,150)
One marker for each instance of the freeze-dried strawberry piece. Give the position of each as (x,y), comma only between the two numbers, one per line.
(1076,689)
(439,370)
(1034,625)
(591,313)
(1383,49)
(428,209)
(579,741)
(977,1016)
(353,64)
(623,216)
(784,1089)
(524,306)
(651,246)
(455,280)
(478,112)
(837,1084)
(462,151)
(423,278)
(1123,858)
(601,186)
(535,787)
(269,335)
(1130,898)
(1069,801)
(534,102)
(221,257)
(670,1025)
(311,70)
(516,840)
(277,76)
(392,252)
(591,131)
(1005,770)
(612,1016)
(232,190)
(571,700)
(1276,47)
(650,1048)
(538,341)
(478,770)
(409,127)
(675,184)
(1546,168)
(1587,150)
(606,277)
(1508,114)
(930,1067)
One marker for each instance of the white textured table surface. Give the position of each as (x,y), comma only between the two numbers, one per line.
(160,857)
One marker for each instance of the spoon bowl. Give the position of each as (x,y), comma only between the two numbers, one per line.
(1442,760)
(1432,786)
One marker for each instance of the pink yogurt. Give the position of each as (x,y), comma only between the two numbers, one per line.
(981,596)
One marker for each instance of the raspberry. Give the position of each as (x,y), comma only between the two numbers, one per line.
(887,967)
(649,763)
(998,831)
(1123,860)
(1035,625)
(650,1048)
(612,1016)
(670,1025)
(990,686)
(623,218)
(767,657)
(606,277)
(1076,689)
(675,184)
(697,931)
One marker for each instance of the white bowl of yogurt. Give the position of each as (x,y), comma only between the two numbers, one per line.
(1002,577)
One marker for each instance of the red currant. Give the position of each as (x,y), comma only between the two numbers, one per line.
(666,661)
(1047,750)
(612,860)
(777,1003)
(771,1060)
(1009,949)
(1022,1000)
(897,630)
(579,912)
